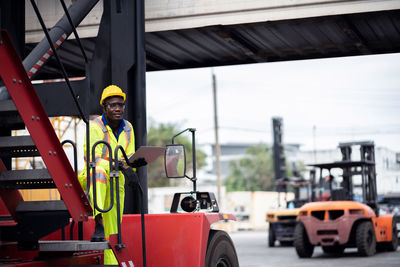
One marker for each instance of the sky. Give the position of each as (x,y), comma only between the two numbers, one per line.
(322,102)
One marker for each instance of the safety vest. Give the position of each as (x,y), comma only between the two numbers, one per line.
(99,131)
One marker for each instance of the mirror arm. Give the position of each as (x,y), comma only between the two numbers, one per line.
(188,129)
(194,178)
(192,130)
(173,138)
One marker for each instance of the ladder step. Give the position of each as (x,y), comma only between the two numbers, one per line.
(72,245)
(7,107)
(26,179)
(17,146)
(9,116)
(37,219)
(41,206)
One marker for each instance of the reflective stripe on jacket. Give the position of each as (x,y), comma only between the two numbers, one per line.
(99,131)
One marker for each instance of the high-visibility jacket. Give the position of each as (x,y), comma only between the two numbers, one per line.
(100,130)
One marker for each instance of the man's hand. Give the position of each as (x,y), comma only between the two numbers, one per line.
(138,163)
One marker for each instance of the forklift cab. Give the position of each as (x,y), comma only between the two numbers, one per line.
(349,179)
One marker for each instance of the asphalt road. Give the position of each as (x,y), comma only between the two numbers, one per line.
(253,251)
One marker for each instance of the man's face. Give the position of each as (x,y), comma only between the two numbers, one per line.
(113,108)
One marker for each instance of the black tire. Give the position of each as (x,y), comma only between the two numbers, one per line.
(271,236)
(365,239)
(392,246)
(337,249)
(301,242)
(220,250)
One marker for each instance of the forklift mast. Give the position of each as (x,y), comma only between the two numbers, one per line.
(278,152)
(367,154)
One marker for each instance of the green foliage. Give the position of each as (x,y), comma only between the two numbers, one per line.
(235,180)
(161,135)
(254,172)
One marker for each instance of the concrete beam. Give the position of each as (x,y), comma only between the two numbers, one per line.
(52,11)
(163,15)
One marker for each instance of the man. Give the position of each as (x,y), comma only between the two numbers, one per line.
(112,128)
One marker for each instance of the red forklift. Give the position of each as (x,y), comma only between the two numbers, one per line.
(57,232)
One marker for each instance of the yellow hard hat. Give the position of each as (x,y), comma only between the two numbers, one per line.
(111,90)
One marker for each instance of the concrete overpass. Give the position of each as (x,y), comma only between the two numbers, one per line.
(188,34)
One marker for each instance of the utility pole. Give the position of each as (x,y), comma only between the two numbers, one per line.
(217,148)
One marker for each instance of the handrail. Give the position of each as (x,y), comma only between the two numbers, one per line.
(119,147)
(93,166)
(80,225)
(75,153)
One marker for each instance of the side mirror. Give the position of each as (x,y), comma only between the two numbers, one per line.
(175,161)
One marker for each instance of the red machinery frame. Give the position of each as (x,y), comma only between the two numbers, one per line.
(178,239)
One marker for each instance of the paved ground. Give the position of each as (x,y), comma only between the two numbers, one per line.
(253,251)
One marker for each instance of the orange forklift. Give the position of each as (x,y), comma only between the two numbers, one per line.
(350,215)
(282,221)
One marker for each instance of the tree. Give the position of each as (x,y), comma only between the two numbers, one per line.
(254,172)
(161,135)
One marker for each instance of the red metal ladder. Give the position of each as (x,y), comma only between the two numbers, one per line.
(42,142)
